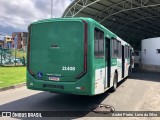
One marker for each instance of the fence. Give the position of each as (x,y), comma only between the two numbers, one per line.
(12,57)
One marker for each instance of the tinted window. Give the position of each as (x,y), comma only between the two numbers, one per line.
(98,43)
(119,50)
(136,53)
(115,49)
(127,52)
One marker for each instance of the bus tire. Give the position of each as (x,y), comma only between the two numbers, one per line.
(115,81)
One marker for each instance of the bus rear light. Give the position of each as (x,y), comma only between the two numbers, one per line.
(85,51)
(28,53)
(31,84)
(80,88)
(31,72)
(85,45)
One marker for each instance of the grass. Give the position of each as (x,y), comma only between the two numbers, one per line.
(12,75)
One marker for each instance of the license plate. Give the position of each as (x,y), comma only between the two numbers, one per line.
(54,78)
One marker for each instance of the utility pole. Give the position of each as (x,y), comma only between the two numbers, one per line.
(15,57)
(51,7)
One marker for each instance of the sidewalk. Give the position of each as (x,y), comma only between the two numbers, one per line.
(12,87)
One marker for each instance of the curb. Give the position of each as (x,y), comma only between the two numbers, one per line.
(12,87)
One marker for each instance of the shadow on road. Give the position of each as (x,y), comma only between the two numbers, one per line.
(146,76)
(46,101)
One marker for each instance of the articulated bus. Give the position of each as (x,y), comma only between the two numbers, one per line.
(75,56)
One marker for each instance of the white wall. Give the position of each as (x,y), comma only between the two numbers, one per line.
(151,45)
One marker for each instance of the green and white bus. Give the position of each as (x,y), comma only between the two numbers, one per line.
(75,56)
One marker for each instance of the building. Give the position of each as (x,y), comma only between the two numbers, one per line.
(150,54)
(8,42)
(1,41)
(19,40)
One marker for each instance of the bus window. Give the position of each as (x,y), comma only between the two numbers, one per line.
(127,52)
(95,43)
(114,48)
(136,53)
(98,43)
(119,50)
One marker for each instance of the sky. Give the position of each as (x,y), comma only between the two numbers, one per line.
(16,15)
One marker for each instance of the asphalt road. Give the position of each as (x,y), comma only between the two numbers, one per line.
(139,92)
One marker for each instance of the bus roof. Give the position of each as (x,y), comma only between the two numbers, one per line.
(81,18)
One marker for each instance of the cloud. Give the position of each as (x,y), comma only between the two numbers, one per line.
(16,15)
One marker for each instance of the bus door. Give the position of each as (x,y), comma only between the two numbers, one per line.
(123,62)
(99,61)
(108,62)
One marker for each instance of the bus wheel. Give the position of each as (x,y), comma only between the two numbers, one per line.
(115,81)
